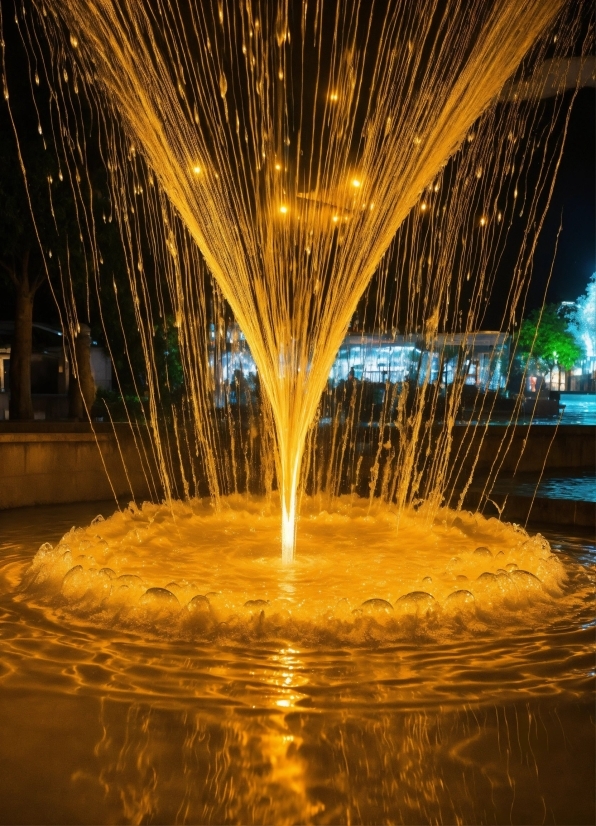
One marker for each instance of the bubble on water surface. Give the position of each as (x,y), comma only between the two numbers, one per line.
(187,570)
(459,600)
(417,602)
(74,580)
(375,607)
(199,605)
(160,599)
(526,578)
(486,576)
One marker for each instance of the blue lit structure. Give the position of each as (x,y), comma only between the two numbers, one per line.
(380,358)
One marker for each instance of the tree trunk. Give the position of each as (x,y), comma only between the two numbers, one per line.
(21,405)
(81,387)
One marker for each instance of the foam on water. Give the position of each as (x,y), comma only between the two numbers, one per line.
(191,571)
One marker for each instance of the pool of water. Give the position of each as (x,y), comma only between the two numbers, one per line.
(580,408)
(553,485)
(575,409)
(479,719)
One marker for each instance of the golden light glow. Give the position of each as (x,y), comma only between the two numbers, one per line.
(192,537)
(399,148)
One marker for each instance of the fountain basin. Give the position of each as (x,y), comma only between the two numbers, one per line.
(114,719)
(199,572)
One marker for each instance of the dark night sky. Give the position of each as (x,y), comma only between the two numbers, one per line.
(573,203)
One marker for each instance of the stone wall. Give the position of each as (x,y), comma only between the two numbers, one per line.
(45,463)
(525,510)
(69,463)
(525,448)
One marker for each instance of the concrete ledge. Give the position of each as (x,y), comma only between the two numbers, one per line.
(51,462)
(58,466)
(18,438)
(65,426)
(524,510)
(525,448)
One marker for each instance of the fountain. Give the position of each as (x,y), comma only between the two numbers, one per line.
(312,159)
(218,575)
(293,186)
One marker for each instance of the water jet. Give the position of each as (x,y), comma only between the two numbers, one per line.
(300,191)
(266,164)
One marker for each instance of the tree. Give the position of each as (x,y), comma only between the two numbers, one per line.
(545,337)
(21,262)
(55,230)
(41,241)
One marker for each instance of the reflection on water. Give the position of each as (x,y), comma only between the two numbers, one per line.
(577,487)
(580,408)
(471,766)
(114,725)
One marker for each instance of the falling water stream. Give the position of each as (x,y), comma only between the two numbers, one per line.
(288,143)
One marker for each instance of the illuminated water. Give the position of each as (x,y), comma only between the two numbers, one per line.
(475,712)
(297,156)
(580,408)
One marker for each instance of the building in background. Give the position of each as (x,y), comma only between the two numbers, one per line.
(49,371)
(379,358)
